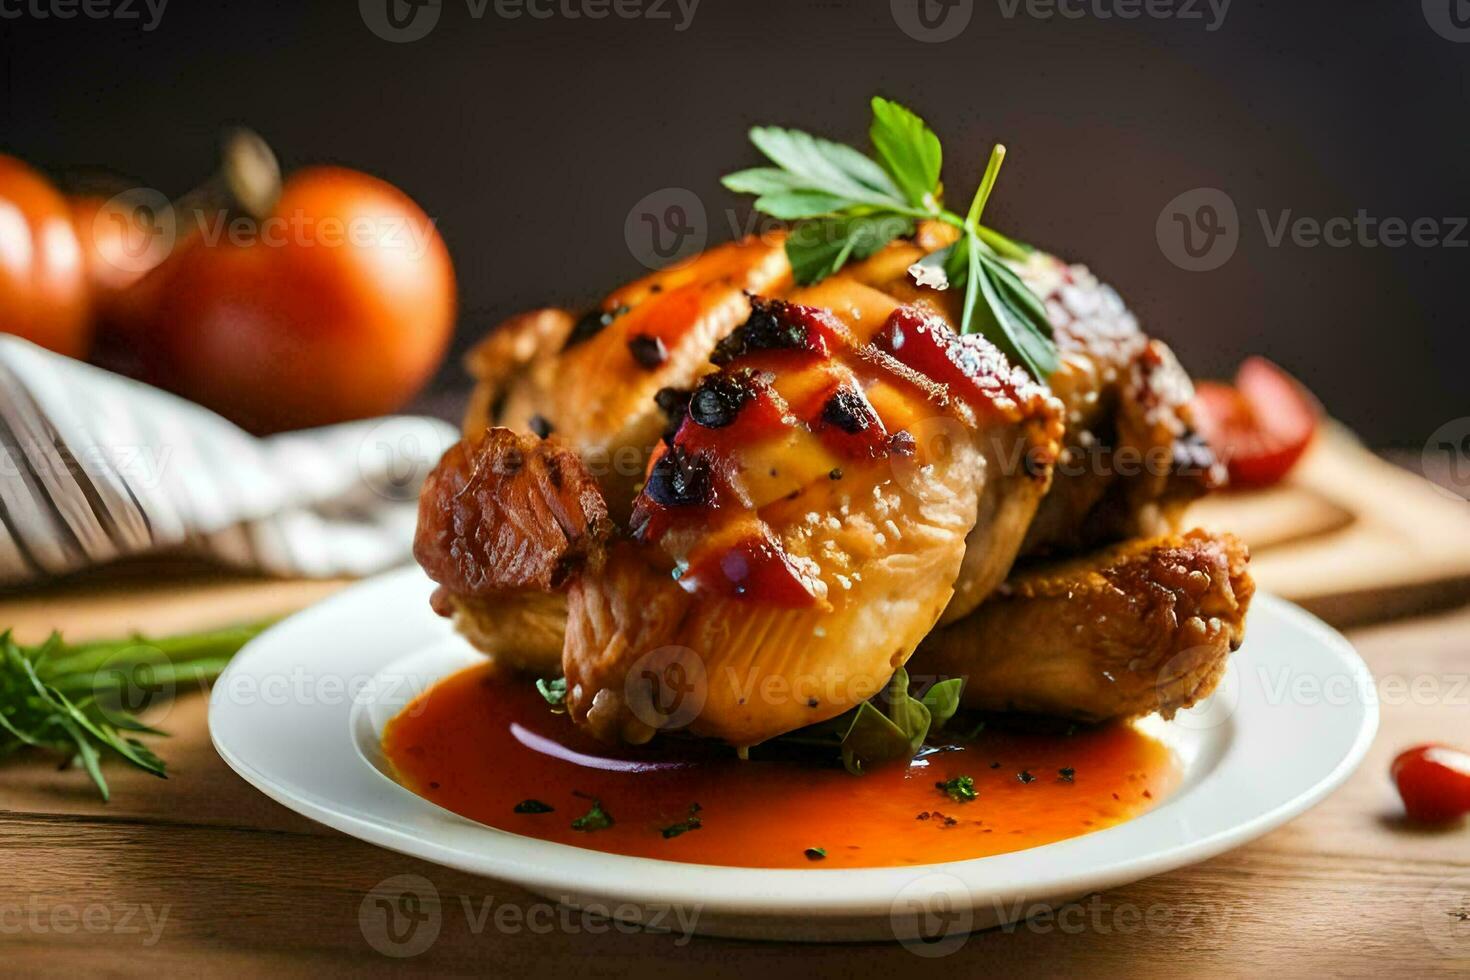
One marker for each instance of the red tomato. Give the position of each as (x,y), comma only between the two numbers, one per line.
(337,306)
(1434,781)
(43,278)
(1259,427)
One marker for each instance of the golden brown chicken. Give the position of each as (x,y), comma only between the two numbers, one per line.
(1131,462)
(805,520)
(1138,628)
(795,492)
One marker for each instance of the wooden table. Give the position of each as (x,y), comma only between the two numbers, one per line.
(203,875)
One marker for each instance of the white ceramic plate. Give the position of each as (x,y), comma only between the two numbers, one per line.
(299,711)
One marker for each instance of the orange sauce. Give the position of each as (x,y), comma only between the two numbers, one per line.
(479,743)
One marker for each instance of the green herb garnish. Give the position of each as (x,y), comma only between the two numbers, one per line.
(1025,776)
(81,699)
(692,822)
(815,853)
(961,789)
(847,206)
(534,806)
(876,736)
(554,691)
(1067,774)
(596,818)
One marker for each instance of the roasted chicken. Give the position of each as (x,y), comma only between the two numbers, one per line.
(796,485)
(1138,628)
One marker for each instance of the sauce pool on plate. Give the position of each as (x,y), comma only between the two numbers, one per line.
(487,746)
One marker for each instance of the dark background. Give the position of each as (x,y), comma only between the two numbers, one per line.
(530,141)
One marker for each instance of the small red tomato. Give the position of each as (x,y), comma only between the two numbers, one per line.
(43,275)
(1434,781)
(1261,426)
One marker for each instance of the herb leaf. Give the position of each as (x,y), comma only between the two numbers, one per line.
(909,150)
(943,700)
(819,249)
(821,165)
(875,737)
(849,206)
(79,699)
(534,806)
(554,690)
(691,822)
(961,789)
(596,818)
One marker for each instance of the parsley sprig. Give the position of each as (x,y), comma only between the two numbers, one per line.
(80,699)
(847,206)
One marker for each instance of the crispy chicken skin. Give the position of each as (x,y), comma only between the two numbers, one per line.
(1134,629)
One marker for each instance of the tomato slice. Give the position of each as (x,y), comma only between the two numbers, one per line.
(1260,426)
(1434,781)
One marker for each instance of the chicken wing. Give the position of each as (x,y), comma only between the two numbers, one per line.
(1137,628)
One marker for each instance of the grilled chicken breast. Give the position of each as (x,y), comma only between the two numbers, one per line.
(1134,629)
(803,522)
(1131,460)
(745,484)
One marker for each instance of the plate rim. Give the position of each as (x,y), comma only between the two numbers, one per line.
(782,892)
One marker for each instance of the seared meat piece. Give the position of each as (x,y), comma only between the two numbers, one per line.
(504,521)
(1138,628)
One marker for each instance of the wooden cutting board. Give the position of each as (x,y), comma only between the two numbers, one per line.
(1349,536)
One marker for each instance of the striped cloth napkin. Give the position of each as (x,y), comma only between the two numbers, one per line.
(95,467)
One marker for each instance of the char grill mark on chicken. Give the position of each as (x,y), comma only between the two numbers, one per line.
(593,380)
(803,525)
(791,463)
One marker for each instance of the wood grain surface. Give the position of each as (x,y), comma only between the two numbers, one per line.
(200,874)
